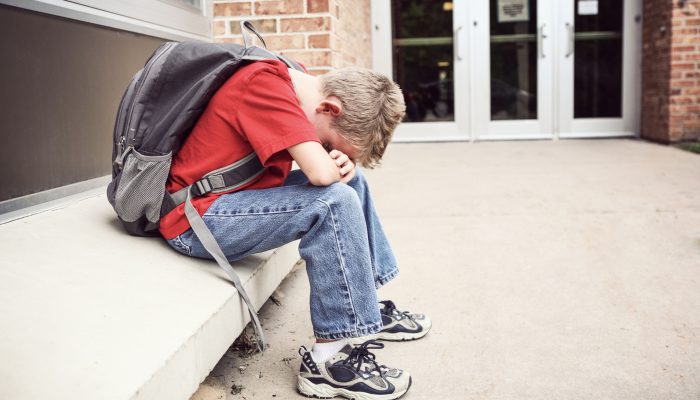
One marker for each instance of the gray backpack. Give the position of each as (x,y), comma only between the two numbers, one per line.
(157,112)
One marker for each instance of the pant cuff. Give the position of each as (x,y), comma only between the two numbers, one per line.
(384,279)
(367,330)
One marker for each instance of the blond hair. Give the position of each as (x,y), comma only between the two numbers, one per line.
(373,106)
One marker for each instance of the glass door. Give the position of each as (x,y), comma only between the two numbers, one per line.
(512,46)
(598,68)
(511,69)
(417,43)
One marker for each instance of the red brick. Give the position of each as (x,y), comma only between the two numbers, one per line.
(683,66)
(692,124)
(231,9)
(320,41)
(682,100)
(692,22)
(682,48)
(285,42)
(322,24)
(681,84)
(317,72)
(686,31)
(219,28)
(680,39)
(279,7)
(317,6)
(311,58)
(679,13)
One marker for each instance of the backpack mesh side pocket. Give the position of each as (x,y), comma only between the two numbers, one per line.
(142,186)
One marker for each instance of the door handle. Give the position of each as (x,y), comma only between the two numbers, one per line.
(456,41)
(570,29)
(540,40)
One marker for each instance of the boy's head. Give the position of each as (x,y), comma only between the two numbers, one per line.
(372,107)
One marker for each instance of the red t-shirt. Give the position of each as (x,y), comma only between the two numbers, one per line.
(254,110)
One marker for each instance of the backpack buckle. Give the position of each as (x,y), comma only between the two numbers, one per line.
(201,187)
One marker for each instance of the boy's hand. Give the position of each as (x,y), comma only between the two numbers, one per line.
(345,165)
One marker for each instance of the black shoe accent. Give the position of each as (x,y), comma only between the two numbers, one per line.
(386,320)
(307,362)
(402,329)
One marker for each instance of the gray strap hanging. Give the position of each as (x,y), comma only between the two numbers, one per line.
(209,242)
(247,26)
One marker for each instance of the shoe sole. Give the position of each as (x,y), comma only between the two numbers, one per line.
(401,336)
(323,391)
(389,337)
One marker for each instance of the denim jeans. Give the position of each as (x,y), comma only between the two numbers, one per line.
(346,252)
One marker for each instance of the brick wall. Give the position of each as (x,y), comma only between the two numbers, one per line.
(321,34)
(671,71)
(353,31)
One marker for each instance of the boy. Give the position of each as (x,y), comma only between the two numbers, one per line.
(325,124)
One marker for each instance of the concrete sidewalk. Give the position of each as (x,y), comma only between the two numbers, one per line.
(551,270)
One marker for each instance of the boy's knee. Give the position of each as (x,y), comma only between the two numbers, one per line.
(342,193)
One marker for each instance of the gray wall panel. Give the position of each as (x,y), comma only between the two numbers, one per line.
(60,85)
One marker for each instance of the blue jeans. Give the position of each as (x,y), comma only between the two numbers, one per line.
(346,252)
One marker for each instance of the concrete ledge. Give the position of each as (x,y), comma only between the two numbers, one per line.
(89,312)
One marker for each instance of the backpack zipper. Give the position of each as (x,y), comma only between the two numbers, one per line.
(119,160)
(129,138)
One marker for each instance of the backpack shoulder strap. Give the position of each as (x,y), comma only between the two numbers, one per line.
(230,177)
(210,244)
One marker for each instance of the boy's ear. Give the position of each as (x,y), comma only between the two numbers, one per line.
(330,105)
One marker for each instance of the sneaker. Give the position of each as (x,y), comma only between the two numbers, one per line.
(401,325)
(352,373)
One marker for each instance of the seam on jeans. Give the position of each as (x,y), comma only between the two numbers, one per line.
(255,213)
(342,260)
(182,245)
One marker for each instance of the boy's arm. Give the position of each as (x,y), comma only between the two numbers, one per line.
(315,163)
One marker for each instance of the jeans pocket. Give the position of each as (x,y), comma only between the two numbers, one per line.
(177,244)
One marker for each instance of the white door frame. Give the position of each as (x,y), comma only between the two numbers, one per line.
(484,127)
(382,56)
(555,101)
(628,124)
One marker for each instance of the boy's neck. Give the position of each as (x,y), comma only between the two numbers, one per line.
(308,90)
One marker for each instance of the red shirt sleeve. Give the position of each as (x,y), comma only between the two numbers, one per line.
(269,115)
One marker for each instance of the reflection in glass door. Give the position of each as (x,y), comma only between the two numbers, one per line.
(597,52)
(422,58)
(598,68)
(511,69)
(513,54)
(513,39)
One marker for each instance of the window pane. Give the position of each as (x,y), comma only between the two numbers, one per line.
(422,43)
(513,59)
(598,61)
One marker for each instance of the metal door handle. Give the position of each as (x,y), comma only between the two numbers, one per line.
(456,40)
(570,29)
(540,40)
